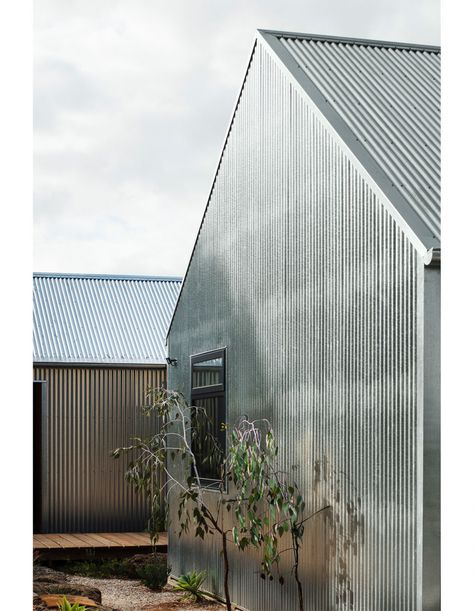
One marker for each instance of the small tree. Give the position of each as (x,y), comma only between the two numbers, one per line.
(172,443)
(262,506)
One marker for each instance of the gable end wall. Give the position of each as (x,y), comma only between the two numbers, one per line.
(302,274)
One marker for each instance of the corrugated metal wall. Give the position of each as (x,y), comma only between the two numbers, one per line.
(91,411)
(300,271)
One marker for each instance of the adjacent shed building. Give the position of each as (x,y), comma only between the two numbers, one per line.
(99,343)
(314,282)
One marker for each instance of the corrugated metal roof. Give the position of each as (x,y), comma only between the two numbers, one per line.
(388,95)
(80,318)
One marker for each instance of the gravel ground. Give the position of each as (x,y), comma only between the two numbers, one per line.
(131,595)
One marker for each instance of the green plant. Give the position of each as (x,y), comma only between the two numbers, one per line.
(190,584)
(267,505)
(263,507)
(146,470)
(65,605)
(101,568)
(171,443)
(154,573)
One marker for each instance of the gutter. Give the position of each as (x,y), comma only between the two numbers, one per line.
(433,258)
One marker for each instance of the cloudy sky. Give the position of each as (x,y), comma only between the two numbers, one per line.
(132,99)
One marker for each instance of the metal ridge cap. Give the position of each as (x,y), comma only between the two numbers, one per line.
(107,276)
(366,42)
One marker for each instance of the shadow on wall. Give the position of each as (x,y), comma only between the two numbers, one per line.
(261,311)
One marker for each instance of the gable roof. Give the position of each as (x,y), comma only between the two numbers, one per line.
(101,319)
(382,101)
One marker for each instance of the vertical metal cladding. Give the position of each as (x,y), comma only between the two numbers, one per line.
(90,412)
(302,274)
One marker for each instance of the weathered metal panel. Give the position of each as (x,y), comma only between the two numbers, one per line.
(89,412)
(389,97)
(81,318)
(301,272)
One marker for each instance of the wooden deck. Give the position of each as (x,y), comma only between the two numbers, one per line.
(72,544)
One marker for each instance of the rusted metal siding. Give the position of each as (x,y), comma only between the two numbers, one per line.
(301,272)
(89,412)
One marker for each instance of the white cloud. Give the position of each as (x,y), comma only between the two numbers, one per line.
(132,100)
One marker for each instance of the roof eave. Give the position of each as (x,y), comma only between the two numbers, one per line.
(106,363)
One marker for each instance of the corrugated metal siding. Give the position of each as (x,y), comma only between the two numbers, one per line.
(390,98)
(300,271)
(101,319)
(91,411)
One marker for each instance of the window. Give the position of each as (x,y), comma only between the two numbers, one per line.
(209,419)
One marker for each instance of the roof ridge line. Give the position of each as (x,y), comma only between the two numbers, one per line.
(107,276)
(367,42)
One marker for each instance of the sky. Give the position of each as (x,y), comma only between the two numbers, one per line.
(132,100)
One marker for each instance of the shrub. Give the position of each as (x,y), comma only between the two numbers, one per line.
(65,605)
(101,568)
(154,573)
(191,584)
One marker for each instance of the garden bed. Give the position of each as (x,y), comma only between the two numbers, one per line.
(131,595)
(112,584)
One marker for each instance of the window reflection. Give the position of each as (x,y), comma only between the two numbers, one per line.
(208,436)
(208,373)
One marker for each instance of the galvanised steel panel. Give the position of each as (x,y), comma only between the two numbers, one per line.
(301,272)
(91,411)
(389,97)
(81,318)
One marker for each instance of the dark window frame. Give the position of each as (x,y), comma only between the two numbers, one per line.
(201,358)
(217,391)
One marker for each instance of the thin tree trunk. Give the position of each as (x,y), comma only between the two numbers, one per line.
(297,577)
(226,573)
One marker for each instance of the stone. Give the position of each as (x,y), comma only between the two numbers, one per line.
(74,589)
(44,573)
(52,601)
(49,581)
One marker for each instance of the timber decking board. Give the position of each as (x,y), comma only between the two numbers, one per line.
(140,538)
(125,541)
(69,541)
(47,541)
(97,540)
